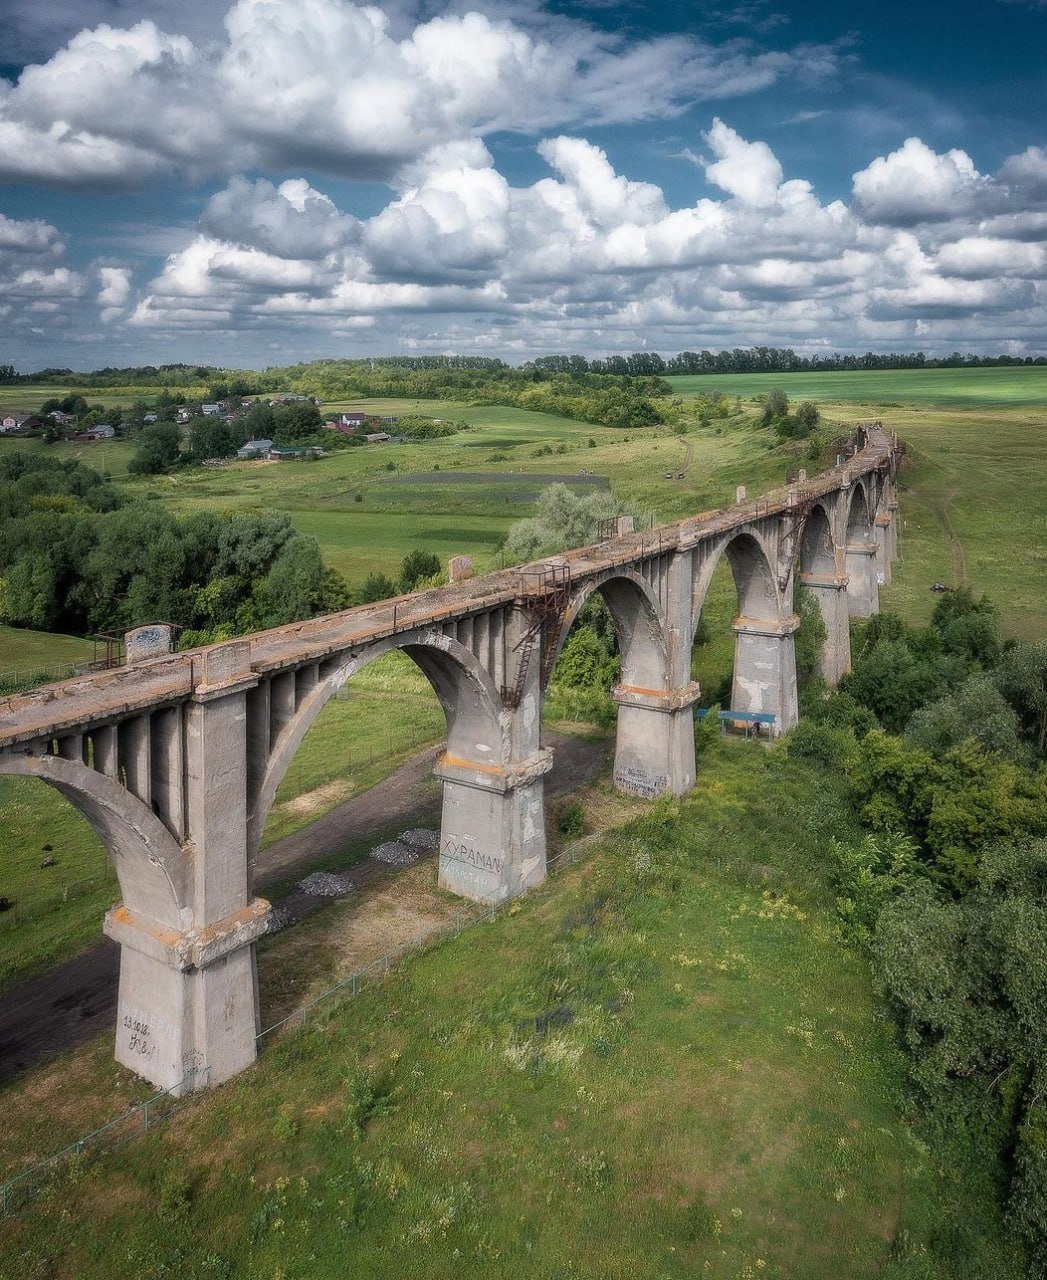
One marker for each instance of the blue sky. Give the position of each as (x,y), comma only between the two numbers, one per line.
(283,179)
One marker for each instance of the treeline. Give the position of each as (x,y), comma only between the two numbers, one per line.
(608,400)
(941,736)
(77,557)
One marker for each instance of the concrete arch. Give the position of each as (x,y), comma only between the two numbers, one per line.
(818,547)
(751,564)
(638,622)
(860,513)
(471,704)
(151,866)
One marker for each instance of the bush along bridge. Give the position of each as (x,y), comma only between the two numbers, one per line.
(175,759)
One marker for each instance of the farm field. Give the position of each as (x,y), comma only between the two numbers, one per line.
(886,388)
(663,1064)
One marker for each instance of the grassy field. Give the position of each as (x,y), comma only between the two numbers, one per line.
(107,456)
(886,388)
(22,650)
(662,1065)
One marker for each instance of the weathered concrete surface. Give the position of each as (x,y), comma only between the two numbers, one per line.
(176,761)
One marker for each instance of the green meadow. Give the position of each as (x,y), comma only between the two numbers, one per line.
(887,388)
(22,650)
(663,1064)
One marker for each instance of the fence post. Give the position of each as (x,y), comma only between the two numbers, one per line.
(457,924)
(145,1117)
(354,984)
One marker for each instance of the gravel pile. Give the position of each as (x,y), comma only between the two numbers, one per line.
(279,918)
(326,884)
(395,854)
(422,839)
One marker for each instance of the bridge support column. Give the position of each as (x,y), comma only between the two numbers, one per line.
(892,544)
(883,549)
(188,992)
(863,593)
(492,834)
(765,669)
(654,750)
(830,592)
(187,1000)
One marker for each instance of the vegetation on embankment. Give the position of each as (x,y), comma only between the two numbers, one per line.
(662,1064)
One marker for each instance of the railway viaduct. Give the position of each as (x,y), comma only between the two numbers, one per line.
(176,760)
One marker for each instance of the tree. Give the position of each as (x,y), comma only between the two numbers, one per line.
(805,419)
(775,408)
(159,448)
(377,586)
(210,438)
(565,519)
(416,566)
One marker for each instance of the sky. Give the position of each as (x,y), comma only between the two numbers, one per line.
(284,180)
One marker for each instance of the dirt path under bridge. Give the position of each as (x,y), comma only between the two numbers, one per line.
(68,1005)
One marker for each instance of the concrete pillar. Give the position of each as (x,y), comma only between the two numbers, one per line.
(765,669)
(187,999)
(492,829)
(654,750)
(893,512)
(188,994)
(863,595)
(883,550)
(830,592)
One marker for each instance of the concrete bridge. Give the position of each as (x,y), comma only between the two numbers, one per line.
(176,760)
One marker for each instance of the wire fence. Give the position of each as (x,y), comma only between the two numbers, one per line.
(18,1190)
(26,678)
(147,1116)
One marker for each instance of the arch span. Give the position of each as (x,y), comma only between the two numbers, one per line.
(151,866)
(859,515)
(465,690)
(751,563)
(818,550)
(639,624)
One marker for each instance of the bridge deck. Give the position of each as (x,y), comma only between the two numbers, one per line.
(74,704)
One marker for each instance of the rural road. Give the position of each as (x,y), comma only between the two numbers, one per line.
(63,1008)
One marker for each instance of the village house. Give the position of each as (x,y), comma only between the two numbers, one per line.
(16,423)
(255,449)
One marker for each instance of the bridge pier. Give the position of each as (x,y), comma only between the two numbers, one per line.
(188,995)
(492,830)
(187,1000)
(830,590)
(883,549)
(863,593)
(765,669)
(654,749)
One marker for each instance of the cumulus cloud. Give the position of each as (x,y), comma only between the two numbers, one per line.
(331,85)
(587,258)
(748,170)
(914,184)
(291,220)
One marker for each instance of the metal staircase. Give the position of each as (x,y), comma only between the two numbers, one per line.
(542,595)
